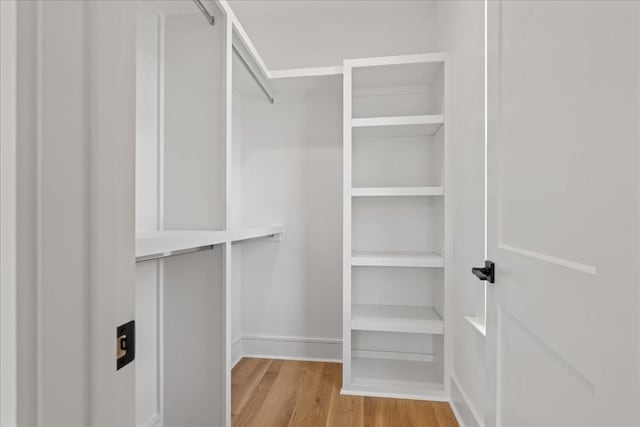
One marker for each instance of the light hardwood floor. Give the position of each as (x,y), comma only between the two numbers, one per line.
(268,393)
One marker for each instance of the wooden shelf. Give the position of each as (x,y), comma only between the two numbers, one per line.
(159,244)
(397,125)
(396,318)
(396,191)
(403,379)
(397,259)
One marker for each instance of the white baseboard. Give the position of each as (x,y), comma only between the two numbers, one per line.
(462,407)
(236,351)
(291,348)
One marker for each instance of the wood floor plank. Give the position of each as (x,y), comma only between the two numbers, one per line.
(278,406)
(243,370)
(277,393)
(423,413)
(444,414)
(242,392)
(343,411)
(310,407)
(247,417)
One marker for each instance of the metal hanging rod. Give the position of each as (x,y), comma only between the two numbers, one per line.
(253,74)
(173,253)
(210,18)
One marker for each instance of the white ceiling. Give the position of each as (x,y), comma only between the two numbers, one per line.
(315,33)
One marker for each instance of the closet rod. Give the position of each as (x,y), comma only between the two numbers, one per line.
(210,18)
(173,253)
(253,74)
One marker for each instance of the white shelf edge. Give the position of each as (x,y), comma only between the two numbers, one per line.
(159,244)
(396,191)
(391,318)
(432,119)
(397,259)
(246,233)
(305,72)
(432,395)
(478,323)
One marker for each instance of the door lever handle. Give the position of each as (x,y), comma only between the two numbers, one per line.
(486,273)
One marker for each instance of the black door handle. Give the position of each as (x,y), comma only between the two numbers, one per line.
(488,272)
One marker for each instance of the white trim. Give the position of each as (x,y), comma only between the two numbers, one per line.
(153,421)
(391,355)
(306,72)
(291,348)
(456,414)
(291,339)
(397,60)
(236,352)
(467,402)
(573,265)
(430,396)
(295,358)
(347,201)
(8,183)
(478,323)
(232,20)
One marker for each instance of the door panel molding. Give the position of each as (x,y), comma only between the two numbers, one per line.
(501,241)
(573,265)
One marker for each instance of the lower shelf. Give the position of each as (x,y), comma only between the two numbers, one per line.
(396,318)
(404,379)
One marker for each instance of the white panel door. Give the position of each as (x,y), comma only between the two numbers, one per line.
(563,213)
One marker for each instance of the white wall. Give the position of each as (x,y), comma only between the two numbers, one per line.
(291,174)
(461,33)
(292,34)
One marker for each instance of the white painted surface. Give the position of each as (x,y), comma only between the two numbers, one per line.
(8,211)
(403,379)
(399,121)
(540,322)
(166,241)
(148,183)
(396,191)
(396,318)
(291,158)
(194,141)
(461,33)
(404,231)
(248,233)
(319,34)
(76,210)
(397,259)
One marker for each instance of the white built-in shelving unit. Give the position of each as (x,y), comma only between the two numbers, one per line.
(396,239)
(187,209)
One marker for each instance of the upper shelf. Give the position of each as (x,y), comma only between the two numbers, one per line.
(159,244)
(398,125)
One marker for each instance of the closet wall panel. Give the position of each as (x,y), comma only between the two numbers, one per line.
(194,124)
(292,174)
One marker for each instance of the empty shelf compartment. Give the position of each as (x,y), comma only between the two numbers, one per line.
(396,378)
(396,318)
